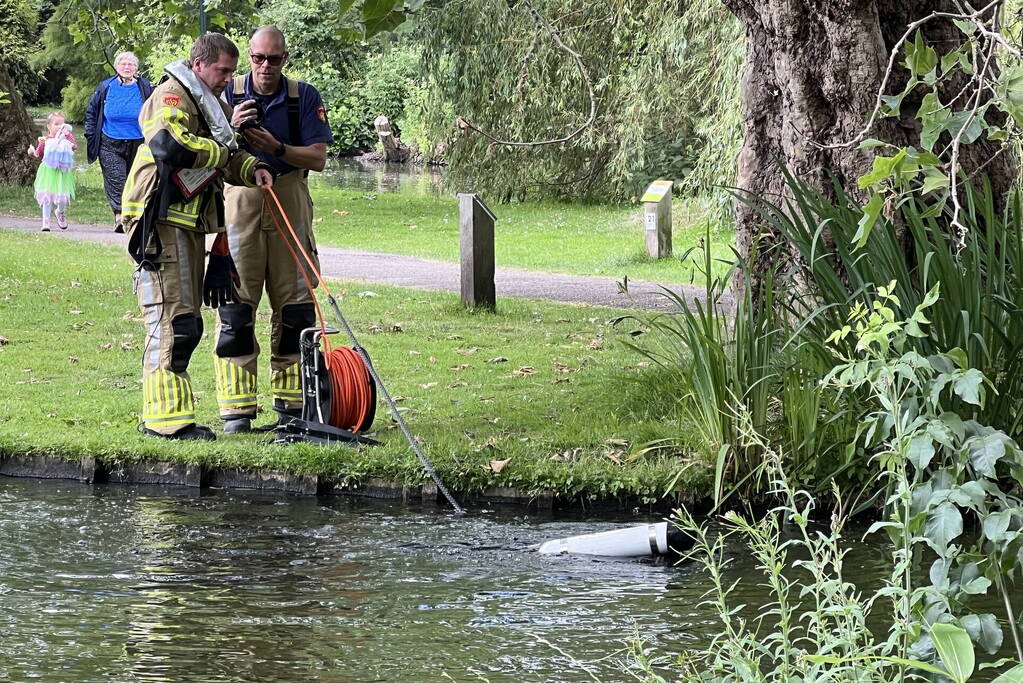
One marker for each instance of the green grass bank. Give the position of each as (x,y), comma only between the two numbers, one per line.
(548,388)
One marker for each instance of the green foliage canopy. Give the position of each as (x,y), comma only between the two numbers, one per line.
(497,65)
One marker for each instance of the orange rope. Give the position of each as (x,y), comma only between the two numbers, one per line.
(349,378)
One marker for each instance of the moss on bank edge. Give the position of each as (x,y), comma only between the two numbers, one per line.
(547,387)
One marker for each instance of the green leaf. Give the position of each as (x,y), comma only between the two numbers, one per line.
(921,450)
(933,117)
(968,386)
(870,214)
(996,524)
(1013,675)
(985,451)
(984,631)
(977,586)
(921,59)
(944,523)
(934,180)
(871,143)
(344,6)
(373,10)
(883,168)
(955,650)
(970,123)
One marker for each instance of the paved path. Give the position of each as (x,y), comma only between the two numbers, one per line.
(407,271)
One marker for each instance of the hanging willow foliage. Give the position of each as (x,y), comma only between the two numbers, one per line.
(665,79)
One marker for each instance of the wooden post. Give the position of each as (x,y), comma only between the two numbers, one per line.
(657,218)
(476,224)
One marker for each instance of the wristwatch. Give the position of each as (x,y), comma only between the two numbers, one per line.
(281,149)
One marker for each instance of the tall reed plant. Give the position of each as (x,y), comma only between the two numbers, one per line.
(981,308)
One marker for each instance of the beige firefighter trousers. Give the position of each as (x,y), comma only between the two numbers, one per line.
(262,258)
(170,299)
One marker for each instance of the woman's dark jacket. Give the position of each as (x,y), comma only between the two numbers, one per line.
(94,112)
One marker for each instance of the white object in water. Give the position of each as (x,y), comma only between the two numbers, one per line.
(637,541)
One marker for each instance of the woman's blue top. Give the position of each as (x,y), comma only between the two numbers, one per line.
(121,111)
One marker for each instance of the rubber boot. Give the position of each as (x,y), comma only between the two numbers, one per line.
(192,432)
(239,424)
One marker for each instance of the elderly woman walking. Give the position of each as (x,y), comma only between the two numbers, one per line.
(112,126)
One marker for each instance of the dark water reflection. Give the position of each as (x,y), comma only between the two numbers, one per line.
(379,177)
(151,584)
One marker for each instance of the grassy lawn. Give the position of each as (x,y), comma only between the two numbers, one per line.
(555,237)
(547,387)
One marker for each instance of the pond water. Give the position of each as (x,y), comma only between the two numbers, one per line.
(101,583)
(380,177)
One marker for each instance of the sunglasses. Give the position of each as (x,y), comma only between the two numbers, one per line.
(275,60)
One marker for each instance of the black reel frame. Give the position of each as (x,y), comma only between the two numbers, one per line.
(317,398)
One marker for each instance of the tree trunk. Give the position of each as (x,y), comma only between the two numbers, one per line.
(394,149)
(813,69)
(16,133)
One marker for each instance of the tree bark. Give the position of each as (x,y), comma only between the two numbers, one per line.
(17,132)
(813,69)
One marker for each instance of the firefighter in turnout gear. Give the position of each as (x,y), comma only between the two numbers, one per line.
(284,123)
(172,198)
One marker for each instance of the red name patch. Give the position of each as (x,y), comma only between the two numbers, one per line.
(171,100)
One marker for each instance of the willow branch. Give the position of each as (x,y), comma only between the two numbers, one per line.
(556,36)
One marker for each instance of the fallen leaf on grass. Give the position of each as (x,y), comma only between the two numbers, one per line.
(51,414)
(107,346)
(318,220)
(467,352)
(396,327)
(415,353)
(366,295)
(523,371)
(433,359)
(76,283)
(4,341)
(459,368)
(562,368)
(428,385)
(127,346)
(567,455)
(339,212)
(595,345)
(496,466)
(399,399)
(375,329)
(499,359)
(562,380)
(458,384)
(74,312)
(72,359)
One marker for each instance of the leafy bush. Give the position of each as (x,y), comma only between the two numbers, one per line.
(939,467)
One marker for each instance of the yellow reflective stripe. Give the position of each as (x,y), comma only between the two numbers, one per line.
(167,399)
(175,120)
(235,385)
(247,169)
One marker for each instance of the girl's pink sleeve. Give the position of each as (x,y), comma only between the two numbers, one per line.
(39,148)
(71,139)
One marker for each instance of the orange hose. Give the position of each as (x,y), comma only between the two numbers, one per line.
(349,377)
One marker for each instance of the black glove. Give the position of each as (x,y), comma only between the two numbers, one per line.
(220,286)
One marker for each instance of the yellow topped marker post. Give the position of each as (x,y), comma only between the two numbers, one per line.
(657,217)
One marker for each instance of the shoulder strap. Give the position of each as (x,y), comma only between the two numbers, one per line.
(239,85)
(294,118)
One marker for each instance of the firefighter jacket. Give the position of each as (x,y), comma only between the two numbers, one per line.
(177,138)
